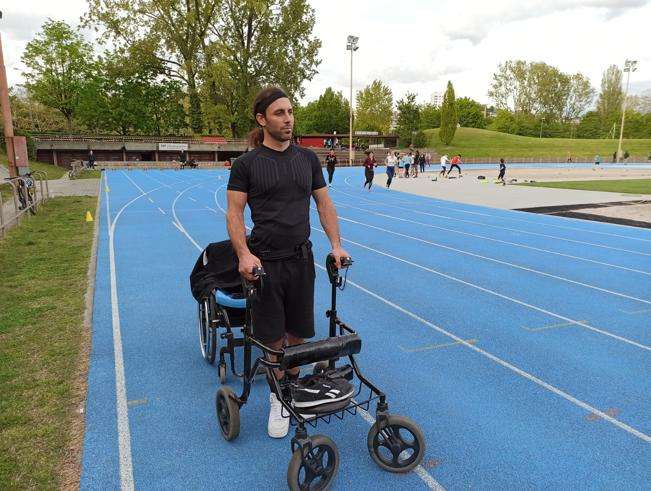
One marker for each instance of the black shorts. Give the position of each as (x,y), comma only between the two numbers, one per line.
(286,302)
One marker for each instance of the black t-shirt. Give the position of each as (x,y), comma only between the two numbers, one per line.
(331,161)
(502,166)
(278,187)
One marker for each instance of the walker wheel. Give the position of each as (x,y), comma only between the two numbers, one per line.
(320,367)
(228,413)
(316,471)
(222,373)
(399,446)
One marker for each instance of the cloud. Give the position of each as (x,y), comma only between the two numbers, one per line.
(22,26)
(476,22)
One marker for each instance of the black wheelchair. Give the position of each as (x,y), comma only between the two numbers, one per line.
(395,443)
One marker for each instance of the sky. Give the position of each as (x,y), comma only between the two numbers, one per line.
(418,45)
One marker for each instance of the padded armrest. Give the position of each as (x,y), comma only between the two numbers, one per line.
(325,349)
(227,301)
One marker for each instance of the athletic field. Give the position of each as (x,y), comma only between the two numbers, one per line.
(520,344)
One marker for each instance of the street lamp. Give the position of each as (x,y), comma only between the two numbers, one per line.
(351,45)
(629,66)
(541,124)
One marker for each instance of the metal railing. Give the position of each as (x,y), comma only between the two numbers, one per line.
(27,193)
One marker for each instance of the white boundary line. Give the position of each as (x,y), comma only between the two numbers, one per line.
(498,360)
(496,226)
(500,295)
(124,434)
(517,244)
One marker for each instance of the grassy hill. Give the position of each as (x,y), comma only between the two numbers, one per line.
(473,142)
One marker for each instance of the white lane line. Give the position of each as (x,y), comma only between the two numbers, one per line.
(411,211)
(498,261)
(150,199)
(490,356)
(505,297)
(177,222)
(429,347)
(505,364)
(161,210)
(124,433)
(192,199)
(500,217)
(469,234)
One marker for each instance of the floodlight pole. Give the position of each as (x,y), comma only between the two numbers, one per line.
(6,115)
(629,66)
(541,125)
(351,45)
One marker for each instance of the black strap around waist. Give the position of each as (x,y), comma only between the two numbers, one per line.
(299,251)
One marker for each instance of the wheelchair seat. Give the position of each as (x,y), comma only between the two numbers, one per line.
(227,300)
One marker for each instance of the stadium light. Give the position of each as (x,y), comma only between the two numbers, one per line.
(351,45)
(629,66)
(541,124)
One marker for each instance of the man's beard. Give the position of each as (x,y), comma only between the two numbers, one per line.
(279,135)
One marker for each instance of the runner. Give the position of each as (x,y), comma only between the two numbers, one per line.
(444,162)
(456,162)
(500,177)
(391,168)
(369,169)
(331,163)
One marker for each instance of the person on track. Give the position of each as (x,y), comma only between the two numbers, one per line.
(276,180)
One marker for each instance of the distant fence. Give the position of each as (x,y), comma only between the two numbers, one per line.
(26,194)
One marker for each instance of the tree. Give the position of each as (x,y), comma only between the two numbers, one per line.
(590,126)
(58,61)
(374,108)
(449,116)
(257,43)
(471,113)
(579,98)
(125,97)
(540,89)
(611,97)
(173,32)
(331,113)
(408,118)
(430,116)
(420,139)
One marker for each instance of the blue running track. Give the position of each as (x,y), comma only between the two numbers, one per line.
(520,343)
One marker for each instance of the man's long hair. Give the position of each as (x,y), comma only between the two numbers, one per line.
(256,136)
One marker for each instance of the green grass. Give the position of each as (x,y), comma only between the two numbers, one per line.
(472,142)
(43,279)
(632,186)
(89,174)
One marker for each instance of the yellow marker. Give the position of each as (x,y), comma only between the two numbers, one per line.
(89,217)
(107,189)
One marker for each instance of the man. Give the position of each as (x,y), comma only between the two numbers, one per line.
(444,163)
(276,179)
(454,163)
(331,163)
(500,176)
(91,160)
(597,160)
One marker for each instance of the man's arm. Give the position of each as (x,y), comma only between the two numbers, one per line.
(328,218)
(237,233)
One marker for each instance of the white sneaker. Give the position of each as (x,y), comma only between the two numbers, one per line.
(277,425)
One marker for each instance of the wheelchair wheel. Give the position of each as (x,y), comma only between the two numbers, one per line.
(319,469)
(228,413)
(207,332)
(222,373)
(399,447)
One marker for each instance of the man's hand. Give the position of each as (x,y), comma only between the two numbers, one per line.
(247,263)
(338,253)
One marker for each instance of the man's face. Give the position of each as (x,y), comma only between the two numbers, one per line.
(278,120)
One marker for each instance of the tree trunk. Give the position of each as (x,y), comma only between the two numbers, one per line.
(196,119)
